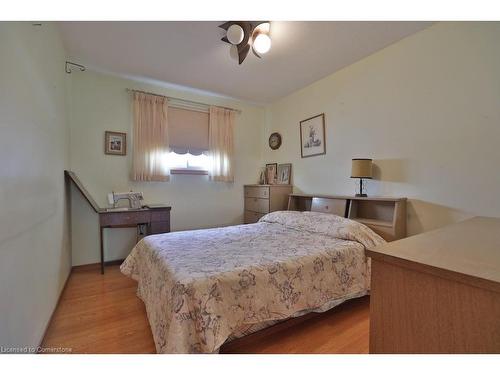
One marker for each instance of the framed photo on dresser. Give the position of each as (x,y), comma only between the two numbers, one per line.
(284,174)
(272,173)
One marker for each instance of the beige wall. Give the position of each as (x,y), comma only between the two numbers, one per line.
(34,244)
(427,109)
(99,102)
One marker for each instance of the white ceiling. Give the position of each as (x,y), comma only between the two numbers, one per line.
(192,54)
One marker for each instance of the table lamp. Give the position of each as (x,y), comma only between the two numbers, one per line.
(361,168)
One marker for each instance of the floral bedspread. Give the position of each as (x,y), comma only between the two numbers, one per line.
(201,286)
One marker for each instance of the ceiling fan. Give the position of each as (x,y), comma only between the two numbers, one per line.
(246,35)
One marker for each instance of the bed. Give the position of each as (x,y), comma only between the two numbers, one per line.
(204,287)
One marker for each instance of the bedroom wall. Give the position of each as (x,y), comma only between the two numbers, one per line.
(425,108)
(35,257)
(99,102)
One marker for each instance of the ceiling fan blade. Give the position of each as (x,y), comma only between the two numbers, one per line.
(242,54)
(257,23)
(226,25)
(255,53)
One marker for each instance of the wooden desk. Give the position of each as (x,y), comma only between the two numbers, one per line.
(156,218)
(438,292)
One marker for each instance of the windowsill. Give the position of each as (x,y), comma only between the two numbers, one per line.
(189,171)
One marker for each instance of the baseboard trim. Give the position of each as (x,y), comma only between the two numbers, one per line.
(91,266)
(114,262)
(83,267)
(55,308)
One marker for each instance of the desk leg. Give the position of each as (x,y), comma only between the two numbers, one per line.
(101,229)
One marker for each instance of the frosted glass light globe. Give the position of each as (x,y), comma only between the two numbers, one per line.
(262,43)
(233,52)
(235,34)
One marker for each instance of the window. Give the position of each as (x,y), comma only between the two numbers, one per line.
(188,134)
(187,163)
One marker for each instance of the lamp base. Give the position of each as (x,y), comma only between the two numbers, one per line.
(361,194)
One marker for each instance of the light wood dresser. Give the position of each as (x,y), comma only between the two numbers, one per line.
(438,292)
(262,199)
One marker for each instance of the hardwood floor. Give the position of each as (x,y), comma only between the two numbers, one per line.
(102,314)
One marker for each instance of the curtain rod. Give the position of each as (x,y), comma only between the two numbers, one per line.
(183,100)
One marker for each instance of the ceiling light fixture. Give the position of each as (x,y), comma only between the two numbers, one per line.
(262,43)
(245,34)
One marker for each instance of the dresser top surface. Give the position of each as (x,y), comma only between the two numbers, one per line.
(470,247)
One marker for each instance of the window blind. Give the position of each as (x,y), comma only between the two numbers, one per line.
(188,131)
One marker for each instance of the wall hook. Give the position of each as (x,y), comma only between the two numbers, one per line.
(70,66)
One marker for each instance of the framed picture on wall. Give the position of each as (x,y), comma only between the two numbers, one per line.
(312,136)
(284,174)
(115,143)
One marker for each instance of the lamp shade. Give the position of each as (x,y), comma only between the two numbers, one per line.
(361,168)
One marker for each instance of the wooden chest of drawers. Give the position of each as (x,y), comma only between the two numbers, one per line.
(438,292)
(262,199)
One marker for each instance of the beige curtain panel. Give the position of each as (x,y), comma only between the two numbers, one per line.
(221,144)
(150,138)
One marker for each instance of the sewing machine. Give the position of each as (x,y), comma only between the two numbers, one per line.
(134,200)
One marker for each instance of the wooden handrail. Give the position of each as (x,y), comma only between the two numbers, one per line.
(73,178)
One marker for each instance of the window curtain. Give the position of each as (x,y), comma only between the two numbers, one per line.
(221,144)
(150,138)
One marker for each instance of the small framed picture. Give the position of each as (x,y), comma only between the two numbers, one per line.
(284,174)
(271,173)
(115,143)
(312,136)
